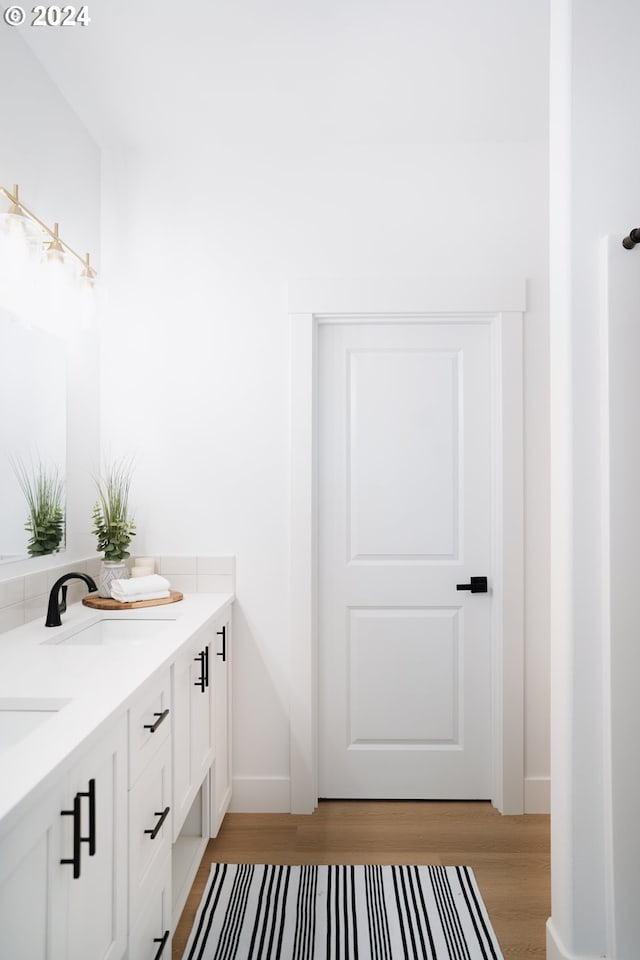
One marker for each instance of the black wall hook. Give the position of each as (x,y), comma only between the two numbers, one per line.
(634,237)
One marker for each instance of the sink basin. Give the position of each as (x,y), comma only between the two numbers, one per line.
(20,715)
(109,632)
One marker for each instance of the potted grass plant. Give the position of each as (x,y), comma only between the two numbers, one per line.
(113,523)
(43,490)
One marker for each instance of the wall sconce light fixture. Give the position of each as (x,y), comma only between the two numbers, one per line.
(20,219)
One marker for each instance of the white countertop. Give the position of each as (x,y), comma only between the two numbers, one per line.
(98,681)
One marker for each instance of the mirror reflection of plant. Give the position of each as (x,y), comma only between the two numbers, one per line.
(112,523)
(43,490)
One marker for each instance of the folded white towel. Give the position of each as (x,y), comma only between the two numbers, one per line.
(152,587)
(151,583)
(133,598)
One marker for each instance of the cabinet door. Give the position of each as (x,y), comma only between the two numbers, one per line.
(222,727)
(33,883)
(202,712)
(192,724)
(149,826)
(151,934)
(97,898)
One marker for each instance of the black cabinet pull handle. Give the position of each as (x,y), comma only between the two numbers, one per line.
(152,727)
(77,839)
(223,633)
(91,839)
(477,585)
(201,682)
(163,816)
(163,942)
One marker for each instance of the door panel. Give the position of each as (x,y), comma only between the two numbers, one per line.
(404,498)
(403,677)
(402,406)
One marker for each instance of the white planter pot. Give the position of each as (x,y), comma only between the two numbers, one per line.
(109,571)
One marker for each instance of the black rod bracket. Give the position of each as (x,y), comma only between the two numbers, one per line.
(634,237)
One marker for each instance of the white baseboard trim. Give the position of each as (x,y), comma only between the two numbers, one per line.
(557,951)
(537,795)
(271,795)
(260,795)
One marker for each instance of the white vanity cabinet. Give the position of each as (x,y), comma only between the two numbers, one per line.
(63,868)
(221,773)
(193,721)
(100,843)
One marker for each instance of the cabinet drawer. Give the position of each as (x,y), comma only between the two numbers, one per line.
(150,936)
(149,825)
(149,724)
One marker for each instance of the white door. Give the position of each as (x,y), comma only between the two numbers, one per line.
(404,513)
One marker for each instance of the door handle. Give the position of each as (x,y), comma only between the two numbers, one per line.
(477,585)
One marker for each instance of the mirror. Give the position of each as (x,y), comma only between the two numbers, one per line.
(33,421)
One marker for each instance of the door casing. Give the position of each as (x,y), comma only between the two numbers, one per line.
(499,303)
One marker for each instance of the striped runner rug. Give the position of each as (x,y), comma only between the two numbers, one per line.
(260,912)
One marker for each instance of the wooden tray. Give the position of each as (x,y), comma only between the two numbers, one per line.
(107,603)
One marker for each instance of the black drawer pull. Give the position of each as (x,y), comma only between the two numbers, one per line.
(91,839)
(77,839)
(152,727)
(163,942)
(203,679)
(163,816)
(223,633)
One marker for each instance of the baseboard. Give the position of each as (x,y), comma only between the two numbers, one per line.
(260,795)
(271,795)
(537,795)
(557,951)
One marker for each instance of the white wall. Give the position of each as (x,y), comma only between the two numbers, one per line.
(595,192)
(367,139)
(46,149)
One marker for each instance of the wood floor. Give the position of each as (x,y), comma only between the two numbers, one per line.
(509,855)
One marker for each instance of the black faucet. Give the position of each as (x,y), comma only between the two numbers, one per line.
(57,605)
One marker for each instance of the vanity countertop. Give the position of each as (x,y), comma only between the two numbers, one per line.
(96,680)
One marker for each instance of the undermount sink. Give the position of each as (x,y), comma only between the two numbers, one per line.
(107,632)
(20,715)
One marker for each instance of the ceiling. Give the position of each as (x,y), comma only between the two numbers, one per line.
(160,72)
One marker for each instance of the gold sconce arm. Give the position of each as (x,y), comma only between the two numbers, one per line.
(57,244)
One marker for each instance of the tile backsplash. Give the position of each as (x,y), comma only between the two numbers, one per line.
(25,598)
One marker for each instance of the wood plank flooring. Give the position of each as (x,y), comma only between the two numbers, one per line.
(509,855)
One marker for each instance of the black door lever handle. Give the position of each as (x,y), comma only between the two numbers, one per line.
(477,585)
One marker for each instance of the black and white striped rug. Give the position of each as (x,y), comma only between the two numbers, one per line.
(258,912)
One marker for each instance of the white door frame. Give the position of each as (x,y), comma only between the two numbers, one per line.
(500,304)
